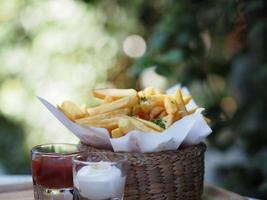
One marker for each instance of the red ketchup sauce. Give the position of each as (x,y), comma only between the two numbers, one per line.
(52,172)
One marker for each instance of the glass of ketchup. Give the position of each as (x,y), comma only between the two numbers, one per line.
(52,171)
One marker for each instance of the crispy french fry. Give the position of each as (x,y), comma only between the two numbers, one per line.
(83,108)
(141,126)
(114,93)
(163,114)
(150,125)
(147,106)
(149,91)
(160,91)
(155,111)
(170,105)
(124,102)
(157,99)
(103,123)
(180,102)
(169,119)
(108,99)
(186,99)
(107,115)
(116,133)
(71,110)
(126,125)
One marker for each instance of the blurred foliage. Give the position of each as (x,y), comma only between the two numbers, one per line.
(17,160)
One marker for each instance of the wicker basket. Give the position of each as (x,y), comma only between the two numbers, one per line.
(166,175)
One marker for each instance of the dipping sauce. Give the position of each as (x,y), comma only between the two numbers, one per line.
(53,172)
(100,181)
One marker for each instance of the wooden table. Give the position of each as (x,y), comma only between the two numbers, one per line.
(24,192)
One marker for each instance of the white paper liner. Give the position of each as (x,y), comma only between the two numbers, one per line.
(190,130)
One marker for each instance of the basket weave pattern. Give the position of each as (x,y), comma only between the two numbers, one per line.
(170,175)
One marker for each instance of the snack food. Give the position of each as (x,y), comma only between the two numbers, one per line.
(124,110)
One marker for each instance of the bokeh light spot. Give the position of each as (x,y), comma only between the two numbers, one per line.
(134,46)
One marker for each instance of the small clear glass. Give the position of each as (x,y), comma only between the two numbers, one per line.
(99,176)
(52,171)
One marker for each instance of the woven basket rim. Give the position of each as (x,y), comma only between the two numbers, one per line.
(180,150)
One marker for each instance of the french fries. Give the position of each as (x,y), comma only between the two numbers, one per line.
(180,102)
(124,102)
(114,93)
(71,110)
(170,105)
(125,110)
(116,133)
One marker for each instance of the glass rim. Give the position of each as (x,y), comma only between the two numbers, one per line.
(75,160)
(35,150)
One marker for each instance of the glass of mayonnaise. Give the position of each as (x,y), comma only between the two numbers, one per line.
(99,176)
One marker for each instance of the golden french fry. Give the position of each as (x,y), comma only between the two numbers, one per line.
(109,124)
(180,102)
(149,91)
(125,125)
(142,96)
(157,99)
(108,99)
(150,124)
(160,91)
(163,114)
(170,105)
(107,115)
(192,111)
(116,133)
(169,119)
(136,109)
(83,108)
(186,99)
(155,111)
(124,102)
(146,106)
(141,126)
(114,93)
(71,110)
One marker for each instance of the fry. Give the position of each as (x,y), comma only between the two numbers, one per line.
(155,111)
(116,133)
(114,93)
(150,124)
(157,99)
(169,119)
(121,103)
(103,123)
(180,102)
(186,99)
(108,99)
(162,114)
(83,108)
(170,105)
(141,126)
(125,125)
(111,114)
(147,106)
(71,110)
(149,91)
